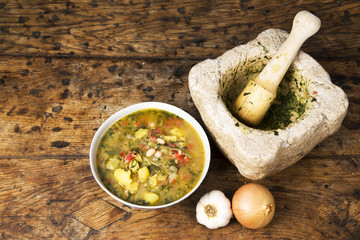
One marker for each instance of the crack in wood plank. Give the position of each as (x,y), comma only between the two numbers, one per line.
(99,214)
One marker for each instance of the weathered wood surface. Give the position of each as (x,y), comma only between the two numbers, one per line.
(171,29)
(67,66)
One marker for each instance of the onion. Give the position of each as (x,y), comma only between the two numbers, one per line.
(253,206)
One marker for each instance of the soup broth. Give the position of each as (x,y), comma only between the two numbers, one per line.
(150,157)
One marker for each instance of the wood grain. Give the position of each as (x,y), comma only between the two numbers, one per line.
(66,66)
(54,108)
(49,116)
(166,29)
(47,201)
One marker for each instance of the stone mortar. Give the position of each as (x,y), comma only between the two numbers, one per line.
(259,153)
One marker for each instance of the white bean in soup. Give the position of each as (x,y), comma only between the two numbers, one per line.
(150,157)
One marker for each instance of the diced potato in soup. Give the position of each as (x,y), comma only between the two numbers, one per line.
(150,157)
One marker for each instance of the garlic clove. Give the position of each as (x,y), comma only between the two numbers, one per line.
(214,210)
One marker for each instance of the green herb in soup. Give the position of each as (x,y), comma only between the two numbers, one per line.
(150,157)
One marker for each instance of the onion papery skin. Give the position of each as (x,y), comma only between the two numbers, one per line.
(253,206)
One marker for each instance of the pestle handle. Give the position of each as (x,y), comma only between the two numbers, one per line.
(257,96)
(304,26)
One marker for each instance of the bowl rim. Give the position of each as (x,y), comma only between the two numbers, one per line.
(141,106)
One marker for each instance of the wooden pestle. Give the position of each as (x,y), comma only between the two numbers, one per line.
(257,96)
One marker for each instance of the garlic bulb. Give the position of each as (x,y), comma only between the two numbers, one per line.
(214,210)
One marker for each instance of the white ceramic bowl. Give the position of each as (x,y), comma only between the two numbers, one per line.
(131,109)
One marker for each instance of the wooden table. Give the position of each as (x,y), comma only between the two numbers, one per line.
(66,66)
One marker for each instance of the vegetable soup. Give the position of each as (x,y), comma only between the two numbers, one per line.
(150,157)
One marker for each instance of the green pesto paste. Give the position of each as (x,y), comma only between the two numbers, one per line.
(292,95)
(285,109)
